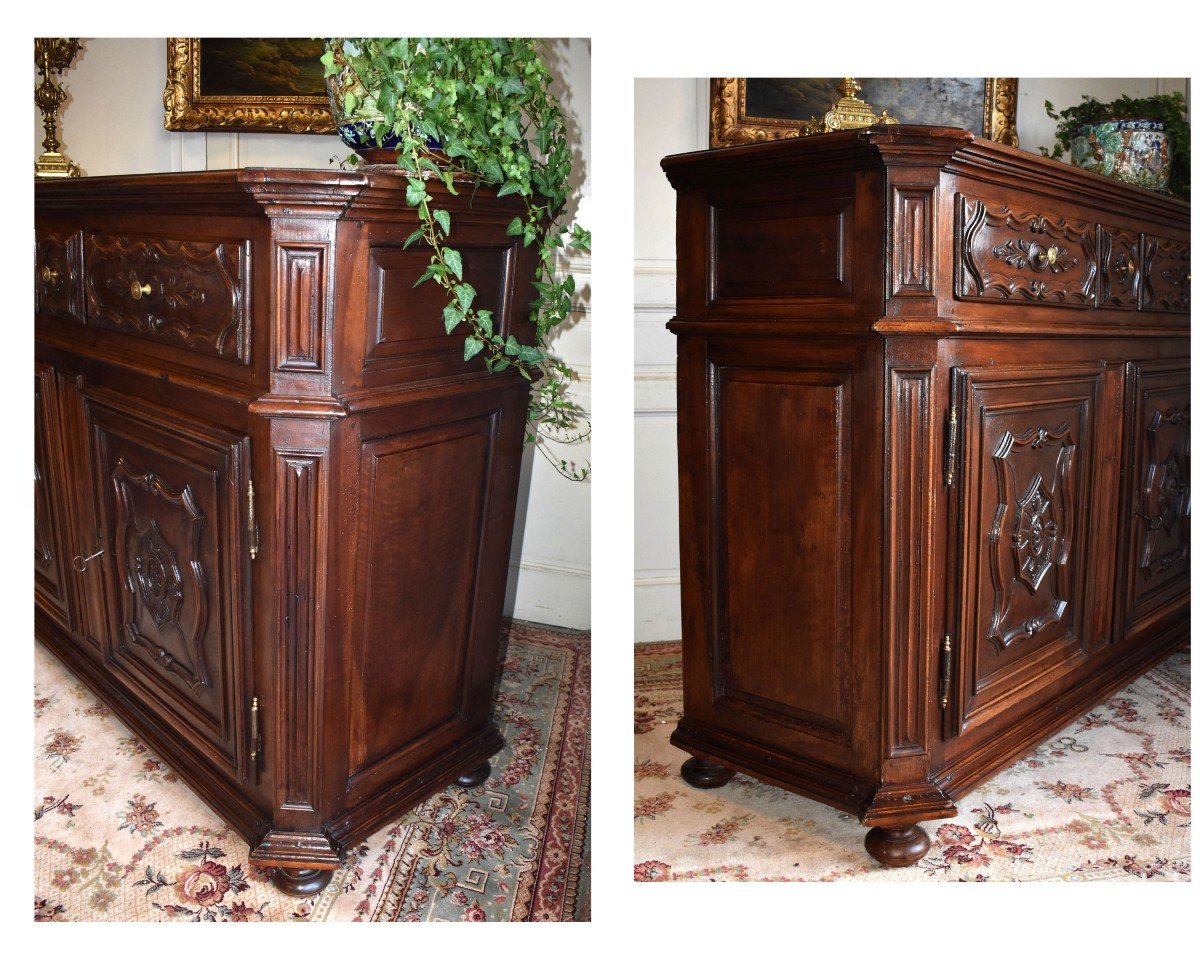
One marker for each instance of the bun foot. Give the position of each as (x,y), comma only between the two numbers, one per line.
(704,774)
(899,847)
(300,883)
(475,777)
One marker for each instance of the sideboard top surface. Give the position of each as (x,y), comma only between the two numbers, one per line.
(907,145)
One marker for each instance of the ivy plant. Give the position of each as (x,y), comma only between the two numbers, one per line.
(480,109)
(1170,108)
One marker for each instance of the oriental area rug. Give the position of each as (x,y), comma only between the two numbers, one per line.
(1108,797)
(118,836)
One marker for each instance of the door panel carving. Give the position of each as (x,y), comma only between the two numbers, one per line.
(1159,553)
(149,570)
(1026,486)
(172,518)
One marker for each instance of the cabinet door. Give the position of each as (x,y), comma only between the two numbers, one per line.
(1157,561)
(172,491)
(1028,463)
(51,564)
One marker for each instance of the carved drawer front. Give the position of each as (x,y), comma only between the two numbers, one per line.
(1025,488)
(51,566)
(1167,265)
(192,294)
(173,522)
(57,278)
(1158,558)
(1022,256)
(1120,275)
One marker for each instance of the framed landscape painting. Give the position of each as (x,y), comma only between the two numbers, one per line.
(750,109)
(237,83)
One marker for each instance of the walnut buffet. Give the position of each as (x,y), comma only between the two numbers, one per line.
(934,460)
(274,506)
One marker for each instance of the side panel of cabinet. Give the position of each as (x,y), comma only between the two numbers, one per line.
(778,505)
(1028,476)
(171,491)
(51,562)
(427,522)
(1156,561)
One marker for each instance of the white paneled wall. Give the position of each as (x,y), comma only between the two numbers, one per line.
(672,117)
(113,124)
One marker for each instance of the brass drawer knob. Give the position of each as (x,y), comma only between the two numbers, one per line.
(1128,268)
(138,290)
(49,275)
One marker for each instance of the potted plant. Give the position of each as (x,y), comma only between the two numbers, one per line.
(1144,141)
(481,108)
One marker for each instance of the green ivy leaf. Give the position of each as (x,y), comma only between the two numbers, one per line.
(453,260)
(413,237)
(453,315)
(471,346)
(443,219)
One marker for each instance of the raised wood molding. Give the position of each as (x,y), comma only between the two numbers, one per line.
(300,305)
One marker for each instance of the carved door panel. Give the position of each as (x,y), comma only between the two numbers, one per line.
(1157,556)
(1025,488)
(173,522)
(51,565)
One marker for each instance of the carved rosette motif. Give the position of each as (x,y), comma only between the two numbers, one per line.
(157,571)
(1034,473)
(1166,493)
(189,292)
(151,576)
(1010,255)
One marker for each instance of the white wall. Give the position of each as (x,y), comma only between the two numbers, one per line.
(113,124)
(672,117)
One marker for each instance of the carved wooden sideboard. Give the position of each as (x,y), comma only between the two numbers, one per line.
(274,506)
(934,460)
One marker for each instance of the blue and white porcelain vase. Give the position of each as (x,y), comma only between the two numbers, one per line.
(357,127)
(1134,150)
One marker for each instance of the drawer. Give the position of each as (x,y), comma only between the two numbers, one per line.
(57,281)
(1167,272)
(1120,274)
(1010,253)
(193,294)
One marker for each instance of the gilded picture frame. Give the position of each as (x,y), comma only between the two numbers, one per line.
(730,123)
(288,101)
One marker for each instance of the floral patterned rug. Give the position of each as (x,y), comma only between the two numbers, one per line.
(118,836)
(1106,798)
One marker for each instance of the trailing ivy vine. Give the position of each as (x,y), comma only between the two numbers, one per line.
(486,104)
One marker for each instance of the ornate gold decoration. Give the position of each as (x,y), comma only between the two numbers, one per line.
(186,109)
(53,55)
(848,113)
(730,125)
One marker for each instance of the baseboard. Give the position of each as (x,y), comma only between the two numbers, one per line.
(656,609)
(549,593)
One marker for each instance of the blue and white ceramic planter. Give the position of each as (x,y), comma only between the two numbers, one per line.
(357,128)
(1136,151)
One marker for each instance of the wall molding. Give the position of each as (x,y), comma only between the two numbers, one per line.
(545,591)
